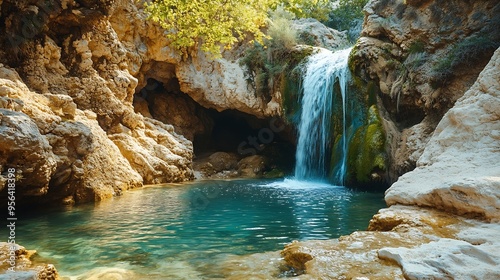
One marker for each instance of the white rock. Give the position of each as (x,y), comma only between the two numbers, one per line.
(459,170)
(444,259)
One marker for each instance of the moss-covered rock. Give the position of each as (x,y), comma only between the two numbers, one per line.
(362,161)
(367,159)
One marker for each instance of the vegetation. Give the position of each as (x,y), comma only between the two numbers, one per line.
(210,25)
(318,9)
(417,46)
(465,53)
(348,16)
(267,63)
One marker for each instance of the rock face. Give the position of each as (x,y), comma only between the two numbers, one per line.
(76,87)
(423,55)
(460,162)
(66,97)
(313,33)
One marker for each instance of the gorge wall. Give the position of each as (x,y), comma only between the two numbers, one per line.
(422,56)
(96,78)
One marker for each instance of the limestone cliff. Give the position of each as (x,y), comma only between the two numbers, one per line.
(460,162)
(423,55)
(67,84)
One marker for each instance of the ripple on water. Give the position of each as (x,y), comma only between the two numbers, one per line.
(154,231)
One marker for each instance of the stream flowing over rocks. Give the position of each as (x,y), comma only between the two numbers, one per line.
(83,118)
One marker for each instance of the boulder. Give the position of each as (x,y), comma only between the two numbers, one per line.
(217,165)
(314,33)
(24,269)
(253,166)
(24,149)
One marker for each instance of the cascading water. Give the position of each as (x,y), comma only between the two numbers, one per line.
(323,70)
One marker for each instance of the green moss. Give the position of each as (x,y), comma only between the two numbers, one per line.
(290,80)
(366,152)
(274,173)
(416,47)
(353,63)
(290,99)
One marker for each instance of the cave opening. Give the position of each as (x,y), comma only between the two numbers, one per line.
(230,131)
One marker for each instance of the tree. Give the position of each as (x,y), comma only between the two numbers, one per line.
(347,13)
(317,9)
(210,24)
(348,16)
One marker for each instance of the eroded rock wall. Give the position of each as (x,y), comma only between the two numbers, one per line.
(423,55)
(460,162)
(67,86)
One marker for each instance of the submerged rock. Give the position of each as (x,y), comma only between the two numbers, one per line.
(24,269)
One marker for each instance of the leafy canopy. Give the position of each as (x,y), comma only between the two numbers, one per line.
(209,24)
(347,14)
(317,9)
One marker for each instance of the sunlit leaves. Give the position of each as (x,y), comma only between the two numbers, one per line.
(209,25)
(317,9)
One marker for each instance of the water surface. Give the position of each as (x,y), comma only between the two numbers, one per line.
(196,223)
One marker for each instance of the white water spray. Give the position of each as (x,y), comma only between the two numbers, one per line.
(323,70)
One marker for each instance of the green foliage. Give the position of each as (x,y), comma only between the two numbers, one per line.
(348,16)
(317,9)
(416,47)
(466,53)
(268,64)
(208,25)
(280,29)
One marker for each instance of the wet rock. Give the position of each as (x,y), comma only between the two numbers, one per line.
(23,268)
(253,166)
(410,243)
(217,165)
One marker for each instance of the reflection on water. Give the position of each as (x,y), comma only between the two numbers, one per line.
(194,225)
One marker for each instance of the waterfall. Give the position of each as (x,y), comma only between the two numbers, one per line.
(323,71)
